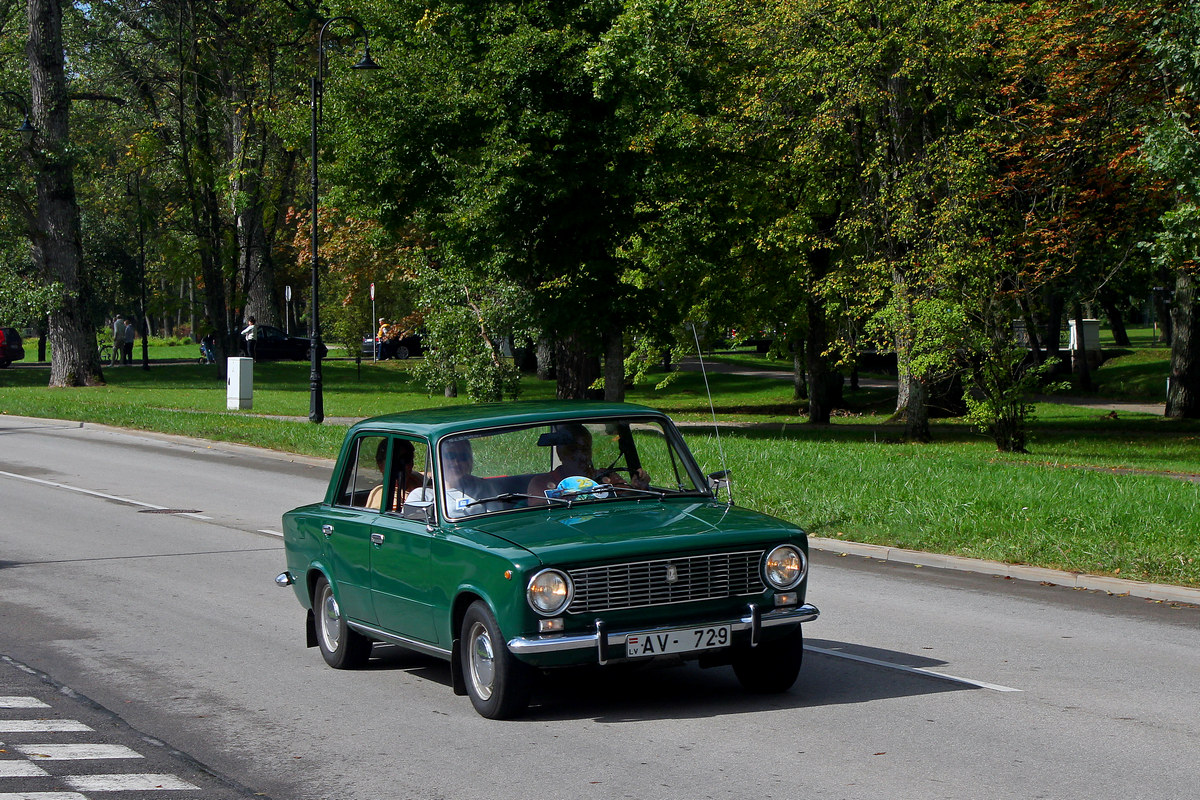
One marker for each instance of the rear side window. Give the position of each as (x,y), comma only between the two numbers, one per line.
(363,472)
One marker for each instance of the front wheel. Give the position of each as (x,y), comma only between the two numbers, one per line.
(498,684)
(341,647)
(773,666)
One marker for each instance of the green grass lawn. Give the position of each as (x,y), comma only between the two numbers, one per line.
(1096,493)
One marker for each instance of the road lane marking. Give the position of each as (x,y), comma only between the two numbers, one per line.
(270,532)
(93,493)
(41,726)
(42,796)
(21,769)
(995,687)
(71,752)
(144,782)
(21,702)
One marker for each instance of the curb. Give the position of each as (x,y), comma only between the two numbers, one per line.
(1073,580)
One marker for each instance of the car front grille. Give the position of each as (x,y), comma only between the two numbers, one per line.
(670,580)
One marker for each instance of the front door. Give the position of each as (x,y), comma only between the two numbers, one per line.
(400,546)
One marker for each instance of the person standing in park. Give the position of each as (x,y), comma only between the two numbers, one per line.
(118,345)
(250,332)
(127,343)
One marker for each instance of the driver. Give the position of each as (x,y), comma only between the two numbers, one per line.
(575,457)
(461,485)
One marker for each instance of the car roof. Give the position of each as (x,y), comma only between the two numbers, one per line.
(434,423)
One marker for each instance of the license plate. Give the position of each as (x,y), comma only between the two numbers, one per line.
(684,640)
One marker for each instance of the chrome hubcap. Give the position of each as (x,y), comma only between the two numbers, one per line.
(483,662)
(331,616)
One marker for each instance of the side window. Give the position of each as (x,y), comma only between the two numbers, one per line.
(364,471)
(412,472)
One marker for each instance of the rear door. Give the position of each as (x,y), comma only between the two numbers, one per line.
(348,526)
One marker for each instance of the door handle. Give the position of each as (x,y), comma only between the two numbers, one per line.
(376,539)
(327,530)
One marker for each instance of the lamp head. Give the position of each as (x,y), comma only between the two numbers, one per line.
(367,62)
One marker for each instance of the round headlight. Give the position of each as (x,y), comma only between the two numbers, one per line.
(784,567)
(549,592)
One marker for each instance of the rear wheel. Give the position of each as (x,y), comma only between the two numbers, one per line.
(773,666)
(498,683)
(341,647)
(402,352)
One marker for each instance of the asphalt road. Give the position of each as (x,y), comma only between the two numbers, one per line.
(137,571)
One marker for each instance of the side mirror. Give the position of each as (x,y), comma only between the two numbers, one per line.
(422,507)
(718,480)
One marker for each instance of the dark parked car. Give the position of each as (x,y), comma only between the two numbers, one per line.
(518,538)
(402,348)
(10,346)
(275,345)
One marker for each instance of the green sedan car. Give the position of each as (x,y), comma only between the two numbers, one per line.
(515,538)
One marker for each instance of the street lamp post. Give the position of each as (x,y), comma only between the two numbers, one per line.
(316,405)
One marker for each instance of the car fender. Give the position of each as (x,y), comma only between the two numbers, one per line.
(486,568)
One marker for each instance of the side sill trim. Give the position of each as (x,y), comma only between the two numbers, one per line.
(400,641)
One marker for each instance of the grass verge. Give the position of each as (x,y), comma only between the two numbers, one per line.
(1098,493)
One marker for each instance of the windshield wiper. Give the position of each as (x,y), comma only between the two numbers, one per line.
(617,491)
(510,496)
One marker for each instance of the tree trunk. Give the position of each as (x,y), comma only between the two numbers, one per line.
(1054,318)
(577,369)
(614,367)
(799,383)
(912,395)
(57,246)
(1183,396)
(1162,313)
(824,382)
(915,412)
(545,359)
(1079,355)
(1116,321)
(255,265)
(1033,337)
(197,164)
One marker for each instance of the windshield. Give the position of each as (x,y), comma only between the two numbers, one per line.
(562,464)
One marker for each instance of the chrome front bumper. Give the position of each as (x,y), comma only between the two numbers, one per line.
(603,639)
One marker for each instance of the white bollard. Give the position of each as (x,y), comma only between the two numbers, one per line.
(239,383)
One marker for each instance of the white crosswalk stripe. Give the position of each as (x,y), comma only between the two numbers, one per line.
(41,725)
(125,783)
(76,752)
(21,702)
(20,769)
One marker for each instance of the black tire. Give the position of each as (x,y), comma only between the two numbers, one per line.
(105,353)
(341,647)
(772,667)
(4,362)
(401,353)
(498,684)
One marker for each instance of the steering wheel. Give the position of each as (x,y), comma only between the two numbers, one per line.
(600,476)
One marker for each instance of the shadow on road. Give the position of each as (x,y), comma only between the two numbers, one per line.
(635,692)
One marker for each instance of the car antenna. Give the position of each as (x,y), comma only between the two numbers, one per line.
(724,474)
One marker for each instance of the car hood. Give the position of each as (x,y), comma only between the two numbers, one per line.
(598,532)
